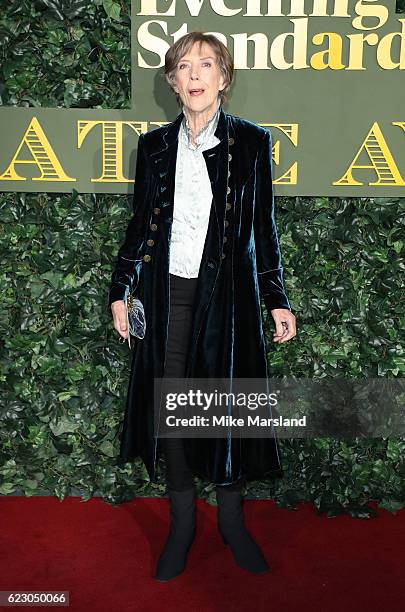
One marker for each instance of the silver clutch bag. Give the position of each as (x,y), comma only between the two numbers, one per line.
(136,322)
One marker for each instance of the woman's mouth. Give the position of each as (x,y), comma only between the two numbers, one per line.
(196,92)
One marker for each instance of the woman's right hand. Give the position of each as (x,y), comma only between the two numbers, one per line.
(120,317)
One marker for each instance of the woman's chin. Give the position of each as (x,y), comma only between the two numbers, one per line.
(198,103)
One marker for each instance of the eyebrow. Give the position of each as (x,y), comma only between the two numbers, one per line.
(202,58)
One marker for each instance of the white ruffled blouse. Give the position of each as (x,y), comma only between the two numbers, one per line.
(192,199)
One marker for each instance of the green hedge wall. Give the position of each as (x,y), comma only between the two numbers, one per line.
(64,375)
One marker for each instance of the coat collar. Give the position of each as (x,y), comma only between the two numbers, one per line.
(170,132)
(164,148)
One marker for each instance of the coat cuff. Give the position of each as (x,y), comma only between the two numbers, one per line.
(124,279)
(271,285)
(118,291)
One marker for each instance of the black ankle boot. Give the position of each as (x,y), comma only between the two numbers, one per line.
(246,552)
(172,560)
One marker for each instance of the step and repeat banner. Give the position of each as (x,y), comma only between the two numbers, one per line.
(325,77)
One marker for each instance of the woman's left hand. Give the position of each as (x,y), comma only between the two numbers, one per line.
(285,325)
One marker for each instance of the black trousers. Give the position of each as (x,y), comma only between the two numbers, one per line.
(179,476)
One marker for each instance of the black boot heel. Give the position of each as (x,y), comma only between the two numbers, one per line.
(172,560)
(246,552)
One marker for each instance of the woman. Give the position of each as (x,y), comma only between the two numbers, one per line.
(200,251)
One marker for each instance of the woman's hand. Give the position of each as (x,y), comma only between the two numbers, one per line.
(285,325)
(120,317)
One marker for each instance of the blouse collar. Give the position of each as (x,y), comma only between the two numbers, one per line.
(205,132)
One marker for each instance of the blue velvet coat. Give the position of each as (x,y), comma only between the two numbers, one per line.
(241,263)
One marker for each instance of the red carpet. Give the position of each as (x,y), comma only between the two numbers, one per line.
(105,557)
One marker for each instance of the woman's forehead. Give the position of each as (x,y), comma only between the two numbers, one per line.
(202,51)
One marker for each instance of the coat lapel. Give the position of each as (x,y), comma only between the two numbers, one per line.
(216,160)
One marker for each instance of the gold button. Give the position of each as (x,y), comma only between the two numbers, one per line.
(226,222)
(223,255)
(231,141)
(156,211)
(153,227)
(229,157)
(228,206)
(228,190)
(147,257)
(150,242)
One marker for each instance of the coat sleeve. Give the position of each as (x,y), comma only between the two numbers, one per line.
(128,266)
(268,253)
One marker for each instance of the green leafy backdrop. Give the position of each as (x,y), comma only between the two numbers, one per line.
(64,375)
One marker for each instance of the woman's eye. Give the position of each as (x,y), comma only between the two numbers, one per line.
(204,64)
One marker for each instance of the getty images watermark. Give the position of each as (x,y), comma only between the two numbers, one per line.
(288,408)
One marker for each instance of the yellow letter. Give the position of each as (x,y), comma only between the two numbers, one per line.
(381,161)
(111,147)
(43,154)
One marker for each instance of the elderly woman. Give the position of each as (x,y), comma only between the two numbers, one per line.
(200,251)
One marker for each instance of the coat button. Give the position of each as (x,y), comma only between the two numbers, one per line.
(153,227)
(147,257)
(223,255)
(228,206)
(156,211)
(229,157)
(228,190)
(229,174)
(231,141)
(150,242)
(225,238)
(226,222)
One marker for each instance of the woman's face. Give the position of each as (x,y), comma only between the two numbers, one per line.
(198,69)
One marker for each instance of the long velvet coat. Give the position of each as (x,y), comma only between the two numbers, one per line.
(241,262)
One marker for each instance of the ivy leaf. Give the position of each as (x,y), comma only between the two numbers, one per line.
(6,488)
(64,425)
(392,505)
(112,9)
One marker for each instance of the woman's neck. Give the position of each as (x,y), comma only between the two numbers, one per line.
(197,120)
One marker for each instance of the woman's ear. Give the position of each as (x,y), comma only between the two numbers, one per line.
(173,84)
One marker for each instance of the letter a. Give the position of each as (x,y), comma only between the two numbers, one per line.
(382,161)
(43,156)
